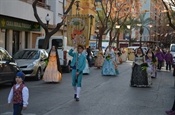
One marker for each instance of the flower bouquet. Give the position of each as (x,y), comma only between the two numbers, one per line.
(108,57)
(154,60)
(144,66)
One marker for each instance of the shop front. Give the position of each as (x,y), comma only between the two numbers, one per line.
(16,33)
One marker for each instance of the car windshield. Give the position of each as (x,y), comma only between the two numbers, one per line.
(27,54)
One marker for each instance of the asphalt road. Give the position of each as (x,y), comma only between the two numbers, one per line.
(101,95)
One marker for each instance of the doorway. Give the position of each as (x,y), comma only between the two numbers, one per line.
(15,42)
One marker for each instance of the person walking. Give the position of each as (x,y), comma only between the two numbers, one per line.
(108,67)
(139,76)
(19,94)
(160,56)
(169,60)
(53,69)
(99,59)
(78,64)
(89,56)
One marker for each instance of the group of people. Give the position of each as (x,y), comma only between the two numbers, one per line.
(144,68)
(146,64)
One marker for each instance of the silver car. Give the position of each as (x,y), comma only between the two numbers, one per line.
(32,62)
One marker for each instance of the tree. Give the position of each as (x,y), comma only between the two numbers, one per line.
(130,24)
(48,33)
(119,15)
(142,23)
(102,18)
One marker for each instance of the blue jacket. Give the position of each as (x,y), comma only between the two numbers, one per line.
(81,63)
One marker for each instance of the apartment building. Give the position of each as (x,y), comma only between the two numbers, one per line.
(18,26)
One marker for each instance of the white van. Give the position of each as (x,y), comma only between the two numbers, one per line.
(61,43)
(172,49)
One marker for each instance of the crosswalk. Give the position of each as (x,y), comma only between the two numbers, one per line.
(11,113)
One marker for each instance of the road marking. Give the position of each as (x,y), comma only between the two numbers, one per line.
(11,113)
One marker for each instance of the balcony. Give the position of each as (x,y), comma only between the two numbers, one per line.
(40,4)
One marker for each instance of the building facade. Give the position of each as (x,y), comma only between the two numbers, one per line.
(18,26)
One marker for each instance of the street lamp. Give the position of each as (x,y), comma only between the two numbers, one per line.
(129,27)
(117,26)
(47,18)
(150,26)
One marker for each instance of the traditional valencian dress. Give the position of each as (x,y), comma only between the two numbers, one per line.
(108,68)
(99,60)
(51,73)
(139,72)
(151,70)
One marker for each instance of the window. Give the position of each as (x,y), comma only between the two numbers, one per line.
(173,48)
(57,43)
(27,54)
(4,56)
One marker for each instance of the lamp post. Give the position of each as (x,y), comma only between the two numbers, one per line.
(117,27)
(47,18)
(77,6)
(97,35)
(91,23)
(129,28)
(141,32)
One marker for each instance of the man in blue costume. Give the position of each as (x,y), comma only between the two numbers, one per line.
(78,64)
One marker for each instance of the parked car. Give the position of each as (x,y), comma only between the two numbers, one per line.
(8,67)
(32,62)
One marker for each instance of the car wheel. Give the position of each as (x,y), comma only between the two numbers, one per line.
(38,74)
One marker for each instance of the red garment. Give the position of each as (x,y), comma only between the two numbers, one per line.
(17,94)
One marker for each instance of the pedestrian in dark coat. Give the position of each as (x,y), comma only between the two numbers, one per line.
(160,56)
(169,60)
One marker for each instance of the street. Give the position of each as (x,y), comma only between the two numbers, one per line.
(100,95)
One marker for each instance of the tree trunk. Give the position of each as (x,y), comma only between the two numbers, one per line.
(129,39)
(100,41)
(118,34)
(46,42)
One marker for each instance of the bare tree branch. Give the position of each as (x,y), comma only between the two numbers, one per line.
(37,16)
(58,26)
(168,15)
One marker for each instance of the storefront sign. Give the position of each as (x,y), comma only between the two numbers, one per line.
(17,24)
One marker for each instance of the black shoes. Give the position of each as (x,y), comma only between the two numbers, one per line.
(75,97)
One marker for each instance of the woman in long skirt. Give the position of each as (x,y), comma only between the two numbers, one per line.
(100,59)
(151,61)
(139,74)
(108,68)
(53,70)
